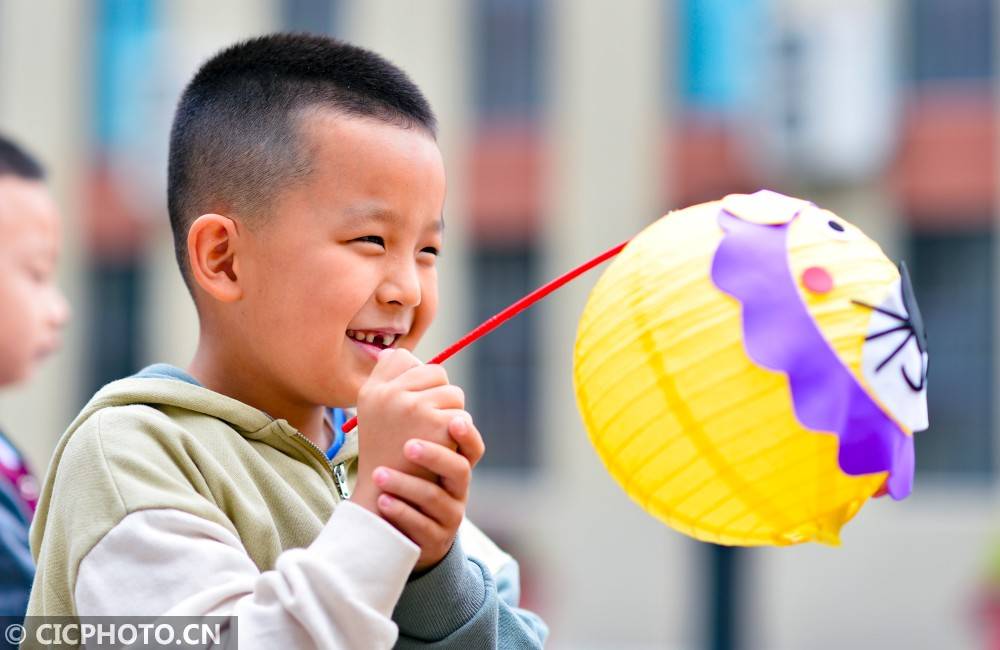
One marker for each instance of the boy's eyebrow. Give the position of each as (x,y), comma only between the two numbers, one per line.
(369,213)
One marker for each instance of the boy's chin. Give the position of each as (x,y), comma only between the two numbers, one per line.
(343,397)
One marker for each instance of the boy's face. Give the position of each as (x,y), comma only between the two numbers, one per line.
(33,309)
(350,249)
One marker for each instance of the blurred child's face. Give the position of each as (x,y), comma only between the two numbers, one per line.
(348,253)
(32,309)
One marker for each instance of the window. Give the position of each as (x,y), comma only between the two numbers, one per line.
(116,320)
(504,389)
(316,16)
(508,81)
(951,39)
(953,279)
(717,47)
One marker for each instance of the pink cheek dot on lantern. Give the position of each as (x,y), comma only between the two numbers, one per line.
(817,280)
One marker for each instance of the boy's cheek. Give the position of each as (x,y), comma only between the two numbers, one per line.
(424,317)
(17,358)
(20,328)
(412,340)
(408,343)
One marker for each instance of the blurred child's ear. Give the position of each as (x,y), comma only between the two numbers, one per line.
(212,243)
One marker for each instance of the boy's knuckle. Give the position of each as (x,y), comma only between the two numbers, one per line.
(427,530)
(441,501)
(435,420)
(436,502)
(441,419)
(410,407)
(440,374)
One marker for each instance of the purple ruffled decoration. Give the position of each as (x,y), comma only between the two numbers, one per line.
(751,264)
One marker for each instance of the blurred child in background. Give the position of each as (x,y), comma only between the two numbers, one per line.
(32,313)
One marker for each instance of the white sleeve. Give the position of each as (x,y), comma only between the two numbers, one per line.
(339,592)
(476,544)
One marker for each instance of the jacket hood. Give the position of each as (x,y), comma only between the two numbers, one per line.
(165,391)
(165,385)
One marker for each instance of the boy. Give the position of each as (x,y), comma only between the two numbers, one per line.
(32,313)
(305,192)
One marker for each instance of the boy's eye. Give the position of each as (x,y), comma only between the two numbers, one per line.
(432,250)
(372,239)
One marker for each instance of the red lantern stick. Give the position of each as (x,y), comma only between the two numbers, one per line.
(499,319)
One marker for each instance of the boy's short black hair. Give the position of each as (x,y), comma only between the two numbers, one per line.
(234,142)
(15,161)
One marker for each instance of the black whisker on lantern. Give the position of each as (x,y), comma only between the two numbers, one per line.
(899,348)
(882,310)
(900,328)
(912,323)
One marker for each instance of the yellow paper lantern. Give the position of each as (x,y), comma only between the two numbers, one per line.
(690,421)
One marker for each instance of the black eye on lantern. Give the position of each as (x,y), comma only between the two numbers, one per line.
(912,323)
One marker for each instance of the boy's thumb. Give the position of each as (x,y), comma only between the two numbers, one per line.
(393,362)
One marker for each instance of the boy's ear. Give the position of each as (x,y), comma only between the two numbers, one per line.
(212,244)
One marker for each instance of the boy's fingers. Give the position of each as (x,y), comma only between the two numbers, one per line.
(392,362)
(453,468)
(447,397)
(467,437)
(428,497)
(424,376)
(411,522)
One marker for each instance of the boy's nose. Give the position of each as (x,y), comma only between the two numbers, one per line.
(60,311)
(401,286)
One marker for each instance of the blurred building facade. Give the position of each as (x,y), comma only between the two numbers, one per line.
(566,127)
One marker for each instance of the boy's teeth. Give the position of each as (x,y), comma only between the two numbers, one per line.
(384,339)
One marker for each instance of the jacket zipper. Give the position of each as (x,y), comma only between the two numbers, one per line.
(338,471)
(340,481)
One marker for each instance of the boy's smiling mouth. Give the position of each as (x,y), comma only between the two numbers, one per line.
(379,339)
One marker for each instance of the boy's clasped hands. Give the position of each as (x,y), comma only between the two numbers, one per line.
(417,448)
